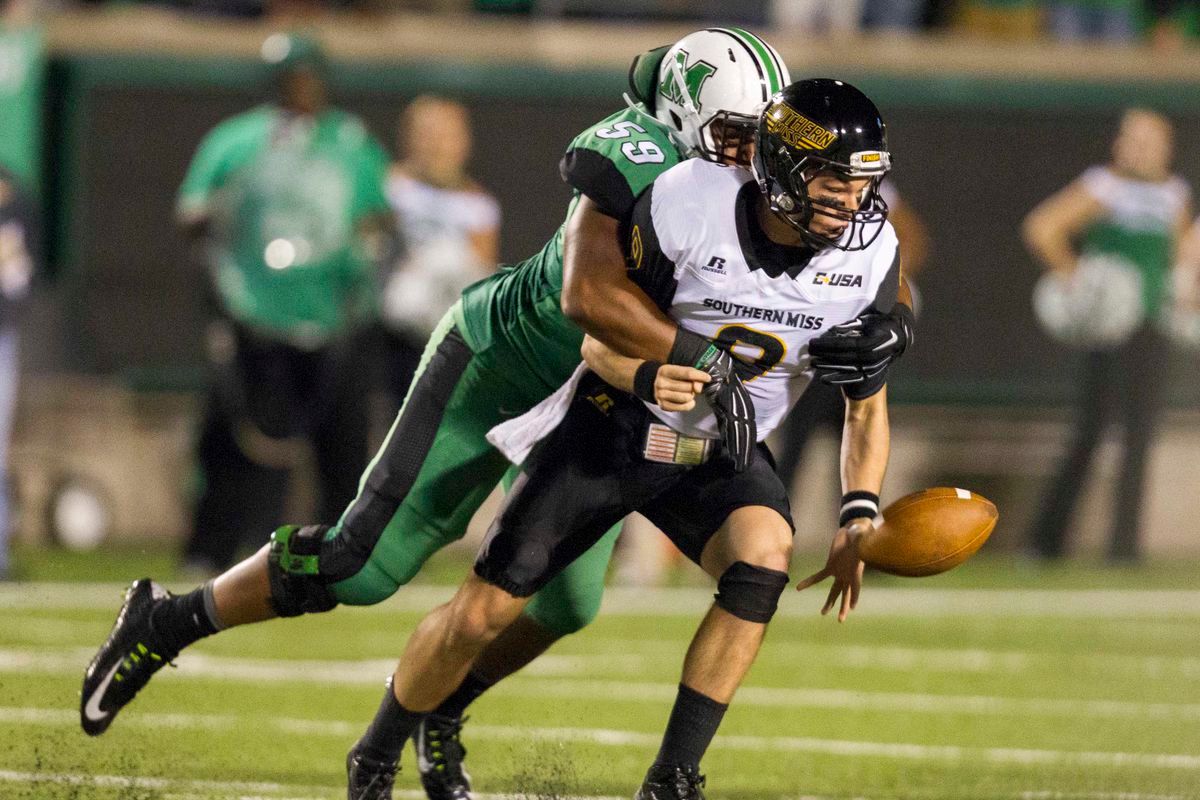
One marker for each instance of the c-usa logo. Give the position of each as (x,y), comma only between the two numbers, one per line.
(837,279)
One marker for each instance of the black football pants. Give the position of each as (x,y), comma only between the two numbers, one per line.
(273,392)
(1126,385)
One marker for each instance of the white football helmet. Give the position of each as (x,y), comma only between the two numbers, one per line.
(712,85)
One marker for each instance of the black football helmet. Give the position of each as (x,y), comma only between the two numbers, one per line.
(815,126)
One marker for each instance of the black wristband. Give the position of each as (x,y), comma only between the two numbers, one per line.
(643,380)
(688,348)
(858,505)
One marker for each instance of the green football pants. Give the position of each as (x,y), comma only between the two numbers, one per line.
(432,473)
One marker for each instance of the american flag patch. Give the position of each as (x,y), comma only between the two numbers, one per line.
(668,447)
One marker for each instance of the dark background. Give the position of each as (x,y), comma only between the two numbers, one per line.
(132,302)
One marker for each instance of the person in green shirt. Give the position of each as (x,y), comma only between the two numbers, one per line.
(1133,210)
(278,200)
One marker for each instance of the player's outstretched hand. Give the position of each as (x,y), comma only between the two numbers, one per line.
(676,387)
(844,566)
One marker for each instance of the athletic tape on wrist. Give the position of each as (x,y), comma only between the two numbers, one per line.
(643,380)
(858,505)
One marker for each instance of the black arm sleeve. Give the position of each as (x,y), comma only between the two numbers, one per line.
(647,265)
(885,298)
(593,175)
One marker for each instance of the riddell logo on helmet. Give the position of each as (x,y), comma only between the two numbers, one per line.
(798,130)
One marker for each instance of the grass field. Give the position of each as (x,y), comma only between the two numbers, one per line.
(997,681)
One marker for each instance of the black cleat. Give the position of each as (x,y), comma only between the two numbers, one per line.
(440,755)
(671,782)
(368,779)
(126,660)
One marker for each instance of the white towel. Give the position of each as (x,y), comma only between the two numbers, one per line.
(516,437)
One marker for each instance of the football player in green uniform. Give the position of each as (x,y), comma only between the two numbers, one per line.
(512,339)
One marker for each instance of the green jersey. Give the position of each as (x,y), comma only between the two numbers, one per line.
(1139,226)
(515,316)
(284,195)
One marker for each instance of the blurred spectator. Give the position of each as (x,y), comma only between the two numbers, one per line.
(1093,20)
(1187,273)
(1169,22)
(18,235)
(284,197)
(896,15)
(823,406)
(450,225)
(832,16)
(1135,210)
(1000,19)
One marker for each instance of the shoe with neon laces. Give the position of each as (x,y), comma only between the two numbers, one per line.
(368,779)
(440,754)
(127,659)
(671,782)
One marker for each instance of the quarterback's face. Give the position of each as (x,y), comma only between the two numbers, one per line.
(835,198)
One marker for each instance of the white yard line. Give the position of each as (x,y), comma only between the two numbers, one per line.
(233,790)
(196,666)
(182,789)
(691,601)
(626,655)
(619,738)
(1056,795)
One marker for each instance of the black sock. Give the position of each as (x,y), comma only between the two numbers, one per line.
(185,619)
(387,733)
(693,724)
(467,692)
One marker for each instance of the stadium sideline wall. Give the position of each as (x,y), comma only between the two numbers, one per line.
(976,144)
(980,133)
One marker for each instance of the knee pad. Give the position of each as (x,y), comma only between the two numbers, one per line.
(749,592)
(294,568)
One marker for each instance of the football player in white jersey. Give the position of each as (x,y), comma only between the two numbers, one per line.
(752,270)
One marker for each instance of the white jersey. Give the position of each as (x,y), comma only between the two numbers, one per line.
(437,224)
(1144,206)
(698,250)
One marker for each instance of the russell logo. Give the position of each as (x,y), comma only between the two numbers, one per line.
(835,279)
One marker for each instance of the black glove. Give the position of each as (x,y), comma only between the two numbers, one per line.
(735,419)
(858,354)
(725,393)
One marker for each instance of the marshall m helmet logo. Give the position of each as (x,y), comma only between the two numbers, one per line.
(836,279)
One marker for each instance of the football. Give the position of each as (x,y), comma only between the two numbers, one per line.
(928,532)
